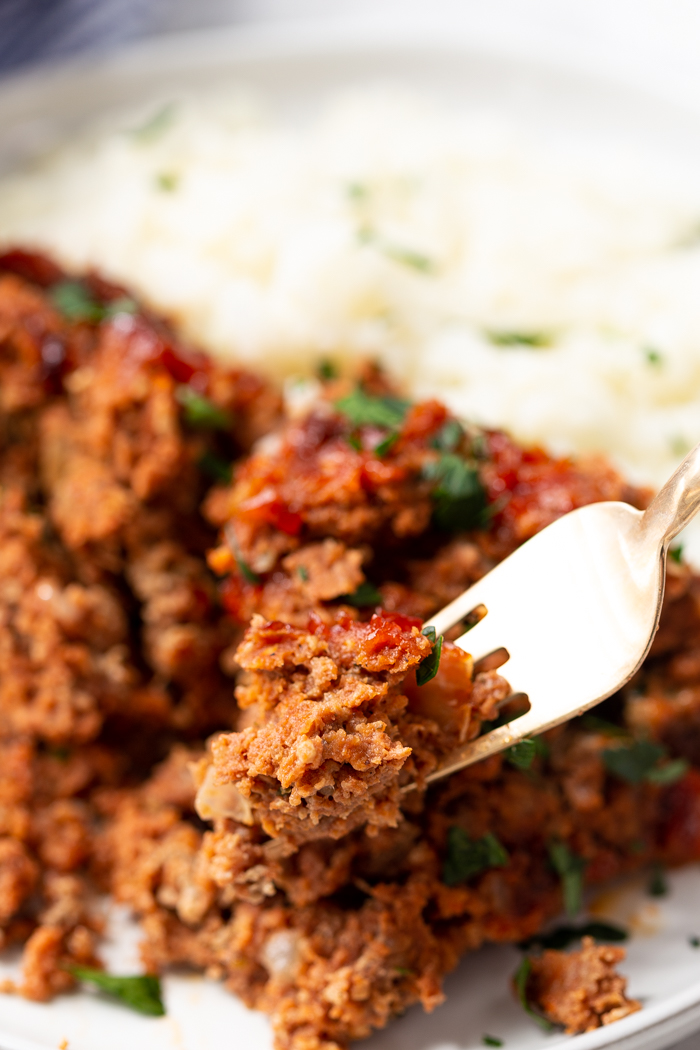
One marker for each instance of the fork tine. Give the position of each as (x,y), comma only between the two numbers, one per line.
(457,611)
(484,638)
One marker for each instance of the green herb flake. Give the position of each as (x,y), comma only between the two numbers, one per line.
(694,942)
(403,972)
(156,125)
(408,257)
(658,886)
(383,447)
(512,338)
(653,356)
(429,665)
(327,370)
(468,857)
(245,570)
(366,594)
(303,573)
(448,437)
(522,754)
(123,305)
(635,762)
(520,981)
(669,772)
(357,191)
(570,868)
(362,409)
(491,1040)
(216,467)
(676,553)
(75,302)
(679,445)
(564,936)
(141,993)
(354,442)
(199,411)
(459,497)
(167,181)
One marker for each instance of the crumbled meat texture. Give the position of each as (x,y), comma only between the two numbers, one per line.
(120,649)
(332,722)
(580,990)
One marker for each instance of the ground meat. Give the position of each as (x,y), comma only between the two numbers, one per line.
(122,614)
(580,990)
(332,722)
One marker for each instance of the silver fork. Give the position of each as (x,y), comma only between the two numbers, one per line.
(576,608)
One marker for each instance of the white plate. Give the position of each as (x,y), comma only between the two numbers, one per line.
(295,68)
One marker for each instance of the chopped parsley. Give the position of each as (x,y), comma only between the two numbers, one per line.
(491,1040)
(199,411)
(522,754)
(140,993)
(303,573)
(215,466)
(563,936)
(75,302)
(248,574)
(409,257)
(652,356)
(327,370)
(402,971)
(396,252)
(520,980)
(388,442)
(570,868)
(354,442)
(658,887)
(167,181)
(669,772)
(363,409)
(694,942)
(357,191)
(448,437)
(468,857)
(459,496)
(680,446)
(123,305)
(676,553)
(366,594)
(156,124)
(428,667)
(510,338)
(639,761)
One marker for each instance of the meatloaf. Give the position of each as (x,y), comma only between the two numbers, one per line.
(214,681)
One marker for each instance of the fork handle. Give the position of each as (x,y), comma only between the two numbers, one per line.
(676,504)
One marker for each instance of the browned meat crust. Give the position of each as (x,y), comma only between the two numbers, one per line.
(580,990)
(119,651)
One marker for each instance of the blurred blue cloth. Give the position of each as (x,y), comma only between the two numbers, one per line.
(40,30)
